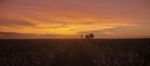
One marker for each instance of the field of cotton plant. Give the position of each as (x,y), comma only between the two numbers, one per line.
(75,52)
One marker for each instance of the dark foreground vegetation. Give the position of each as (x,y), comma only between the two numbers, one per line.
(96,52)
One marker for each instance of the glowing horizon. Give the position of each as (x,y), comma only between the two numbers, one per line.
(72,18)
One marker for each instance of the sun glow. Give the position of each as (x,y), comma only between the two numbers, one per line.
(72,18)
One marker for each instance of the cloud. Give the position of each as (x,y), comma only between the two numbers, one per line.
(15,35)
(120,32)
(11,22)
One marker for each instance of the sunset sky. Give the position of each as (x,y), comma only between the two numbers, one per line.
(72,18)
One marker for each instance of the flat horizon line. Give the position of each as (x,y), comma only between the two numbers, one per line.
(67,38)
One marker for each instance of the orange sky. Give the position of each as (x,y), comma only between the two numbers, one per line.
(72,18)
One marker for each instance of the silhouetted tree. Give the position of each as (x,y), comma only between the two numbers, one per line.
(87,36)
(91,36)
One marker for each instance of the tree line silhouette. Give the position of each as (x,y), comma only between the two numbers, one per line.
(89,36)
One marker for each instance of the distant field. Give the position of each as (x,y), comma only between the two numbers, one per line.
(75,52)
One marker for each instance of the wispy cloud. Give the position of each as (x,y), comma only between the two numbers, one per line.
(11,22)
(15,35)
